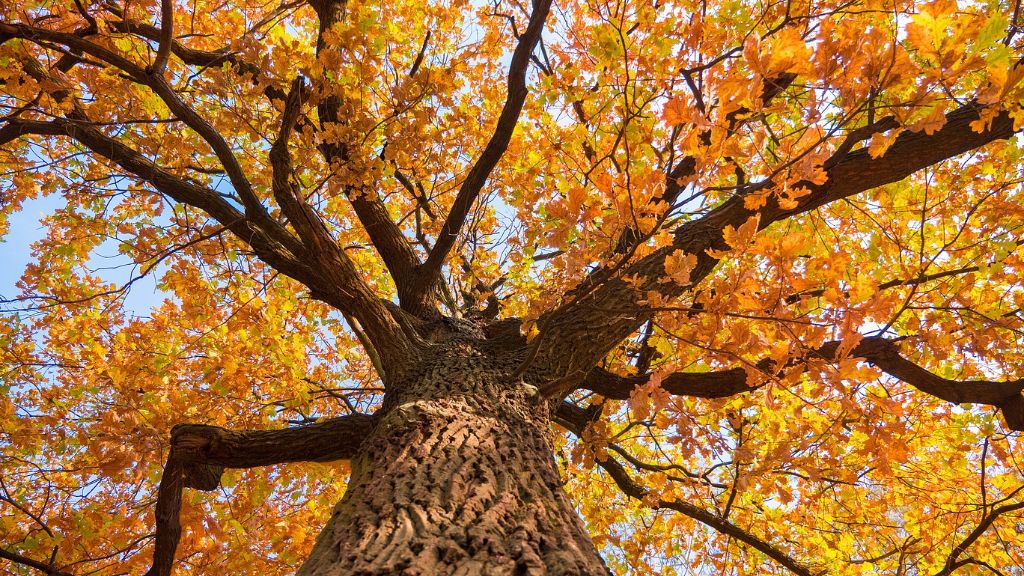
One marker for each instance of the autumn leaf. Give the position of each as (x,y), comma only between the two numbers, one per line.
(679,265)
(738,238)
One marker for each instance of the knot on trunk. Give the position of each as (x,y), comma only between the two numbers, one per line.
(191,446)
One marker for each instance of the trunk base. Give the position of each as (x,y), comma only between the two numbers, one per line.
(457,479)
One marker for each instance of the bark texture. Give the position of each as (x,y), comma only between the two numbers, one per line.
(457,478)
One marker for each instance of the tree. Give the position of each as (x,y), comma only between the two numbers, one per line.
(549,287)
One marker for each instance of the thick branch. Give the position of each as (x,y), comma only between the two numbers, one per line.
(334,439)
(79,127)
(76,43)
(485,163)
(239,181)
(881,352)
(604,309)
(575,420)
(174,187)
(850,173)
(885,355)
(696,384)
(200,453)
(312,231)
(856,171)
(168,517)
(384,233)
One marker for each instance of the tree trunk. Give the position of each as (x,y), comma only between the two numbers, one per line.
(457,478)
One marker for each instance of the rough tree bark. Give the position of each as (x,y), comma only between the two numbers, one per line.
(457,477)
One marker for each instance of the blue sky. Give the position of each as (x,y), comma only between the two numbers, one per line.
(16,253)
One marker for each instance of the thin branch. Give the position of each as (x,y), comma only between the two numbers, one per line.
(200,58)
(900,282)
(574,419)
(43,567)
(686,166)
(6,497)
(428,275)
(952,561)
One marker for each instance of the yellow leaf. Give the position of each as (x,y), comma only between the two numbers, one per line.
(755,200)
(679,265)
(881,142)
(677,112)
(738,238)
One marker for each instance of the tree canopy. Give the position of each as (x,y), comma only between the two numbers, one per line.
(763,258)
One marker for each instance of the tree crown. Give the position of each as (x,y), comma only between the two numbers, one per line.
(762,259)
